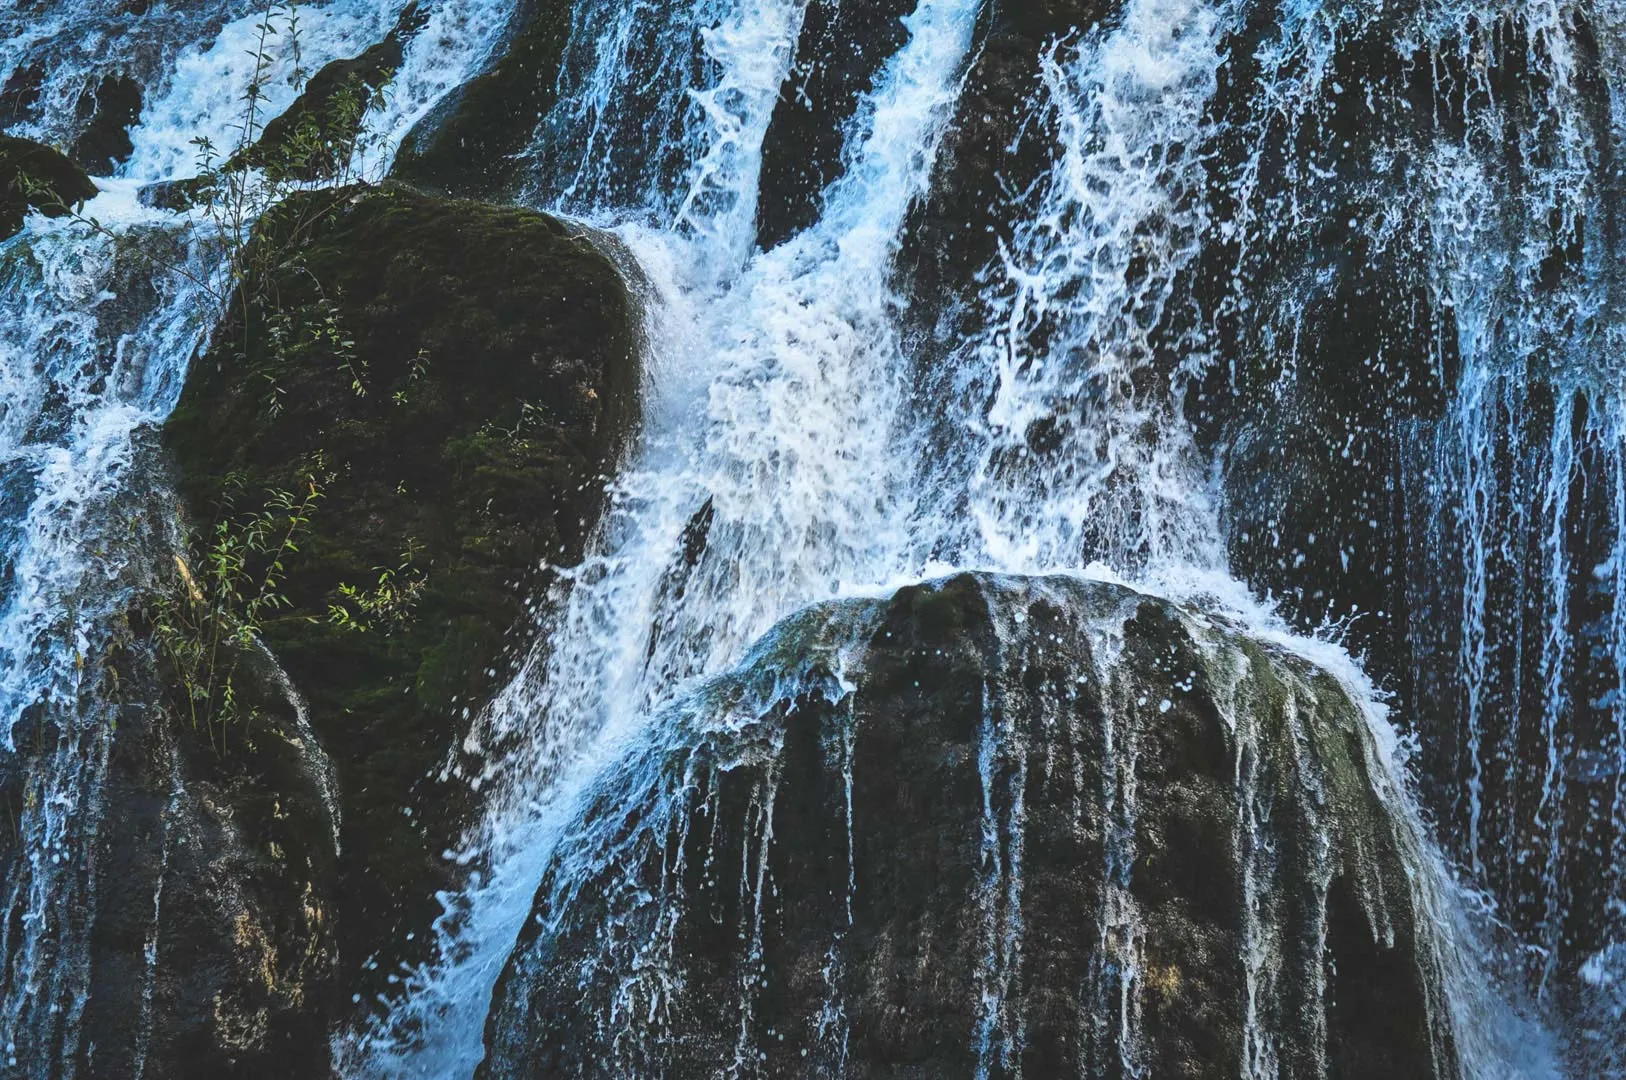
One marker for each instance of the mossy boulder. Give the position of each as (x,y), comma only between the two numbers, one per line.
(36,177)
(456,379)
(469,144)
(988,826)
(213,947)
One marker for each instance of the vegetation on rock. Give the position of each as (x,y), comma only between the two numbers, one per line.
(36,177)
(459,377)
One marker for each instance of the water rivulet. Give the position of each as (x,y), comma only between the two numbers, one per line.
(1040,404)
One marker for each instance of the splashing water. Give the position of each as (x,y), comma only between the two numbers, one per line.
(770,473)
(789,457)
(96,330)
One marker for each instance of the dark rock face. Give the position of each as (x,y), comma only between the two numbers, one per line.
(468,145)
(314,137)
(459,378)
(986,826)
(841,48)
(1333,348)
(35,177)
(20,94)
(108,113)
(214,948)
(990,154)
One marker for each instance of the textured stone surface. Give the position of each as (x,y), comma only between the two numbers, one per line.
(986,826)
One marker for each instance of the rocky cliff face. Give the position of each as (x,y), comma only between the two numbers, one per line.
(989,826)
(452,382)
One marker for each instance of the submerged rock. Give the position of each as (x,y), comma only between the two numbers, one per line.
(36,177)
(995,827)
(457,379)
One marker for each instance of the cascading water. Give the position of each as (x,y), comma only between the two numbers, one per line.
(97,326)
(805,439)
(790,488)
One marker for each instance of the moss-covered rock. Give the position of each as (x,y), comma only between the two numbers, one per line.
(990,826)
(457,378)
(468,145)
(36,177)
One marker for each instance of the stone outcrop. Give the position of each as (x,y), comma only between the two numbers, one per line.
(36,177)
(987,826)
(457,379)
(467,145)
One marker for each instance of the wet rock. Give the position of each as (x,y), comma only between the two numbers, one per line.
(989,826)
(108,112)
(315,136)
(459,377)
(174,195)
(841,48)
(36,177)
(468,145)
(990,154)
(20,96)
(1330,346)
(214,949)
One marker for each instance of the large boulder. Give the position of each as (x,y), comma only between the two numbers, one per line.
(987,826)
(36,177)
(213,945)
(457,379)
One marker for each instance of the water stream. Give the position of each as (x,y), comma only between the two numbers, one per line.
(802,441)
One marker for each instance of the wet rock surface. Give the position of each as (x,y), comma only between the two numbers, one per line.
(457,379)
(108,111)
(34,177)
(468,146)
(214,948)
(988,826)
(841,48)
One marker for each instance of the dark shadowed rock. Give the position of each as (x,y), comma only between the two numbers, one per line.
(36,177)
(214,948)
(108,112)
(990,155)
(841,48)
(314,137)
(989,826)
(459,377)
(469,143)
(19,97)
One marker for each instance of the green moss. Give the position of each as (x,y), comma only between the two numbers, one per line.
(460,375)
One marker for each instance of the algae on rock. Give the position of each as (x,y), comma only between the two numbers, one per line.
(462,375)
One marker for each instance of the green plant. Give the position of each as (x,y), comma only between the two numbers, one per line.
(208,611)
(386,606)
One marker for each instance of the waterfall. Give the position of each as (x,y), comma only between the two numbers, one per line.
(97,326)
(784,459)
(1390,231)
